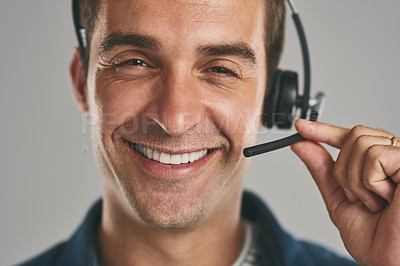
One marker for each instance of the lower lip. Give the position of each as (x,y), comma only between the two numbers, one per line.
(171,171)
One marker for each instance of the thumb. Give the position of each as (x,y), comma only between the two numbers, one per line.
(320,164)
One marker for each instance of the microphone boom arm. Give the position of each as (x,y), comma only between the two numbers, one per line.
(316,107)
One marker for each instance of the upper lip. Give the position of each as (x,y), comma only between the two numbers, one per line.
(172,150)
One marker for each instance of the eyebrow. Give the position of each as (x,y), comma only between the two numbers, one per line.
(237,49)
(119,39)
(141,41)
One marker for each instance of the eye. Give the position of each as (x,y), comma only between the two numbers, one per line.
(133,65)
(133,62)
(222,71)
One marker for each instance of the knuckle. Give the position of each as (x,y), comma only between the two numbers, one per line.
(361,141)
(356,131)
(368,183)
(373,152)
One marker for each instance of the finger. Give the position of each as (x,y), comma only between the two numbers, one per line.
(344,139)
(321,132)
(350,196)
(381,162)
(340,170)
(320,163)
(355,171)
(395,204)
(333,135)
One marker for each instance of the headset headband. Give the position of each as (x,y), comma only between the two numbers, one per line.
(79,30)
(306,60)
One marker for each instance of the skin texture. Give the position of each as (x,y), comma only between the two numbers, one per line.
(182,95)
(169,91)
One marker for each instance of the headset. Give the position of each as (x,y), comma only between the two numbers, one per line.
(283,99)
(282,102)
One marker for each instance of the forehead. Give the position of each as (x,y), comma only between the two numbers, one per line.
(190,20)
(200,10)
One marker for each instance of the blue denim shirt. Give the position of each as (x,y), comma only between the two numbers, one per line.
(277,247)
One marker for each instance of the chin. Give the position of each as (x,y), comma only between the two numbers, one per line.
(170,209)
(170,213)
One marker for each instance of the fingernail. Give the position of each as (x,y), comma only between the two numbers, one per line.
(350,196)
(369,206)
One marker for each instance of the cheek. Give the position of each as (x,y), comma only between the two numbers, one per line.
(116,103)
(238,114)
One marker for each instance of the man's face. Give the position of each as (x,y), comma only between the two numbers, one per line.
(175,91)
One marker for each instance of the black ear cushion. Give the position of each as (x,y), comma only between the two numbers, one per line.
(280,102)
(271,100)
(287,100)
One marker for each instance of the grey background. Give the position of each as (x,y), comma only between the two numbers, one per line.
(47,182)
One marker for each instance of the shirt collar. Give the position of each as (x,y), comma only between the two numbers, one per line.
(82,249)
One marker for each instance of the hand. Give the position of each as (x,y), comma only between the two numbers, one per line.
(359,188)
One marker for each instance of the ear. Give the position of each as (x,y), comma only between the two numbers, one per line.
(78,79)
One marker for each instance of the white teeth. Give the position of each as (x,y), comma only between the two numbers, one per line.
(185,158)
(156,155)
(192,157)
(176,159)
(166,158)
(148,152)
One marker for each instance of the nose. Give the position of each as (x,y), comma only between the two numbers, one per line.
(177,106)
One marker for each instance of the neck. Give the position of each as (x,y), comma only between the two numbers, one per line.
(125,240)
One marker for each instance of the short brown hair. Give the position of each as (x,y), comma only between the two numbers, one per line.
(89,10)
(274,35)
(274,31)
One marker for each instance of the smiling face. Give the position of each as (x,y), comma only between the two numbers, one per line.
(175,91)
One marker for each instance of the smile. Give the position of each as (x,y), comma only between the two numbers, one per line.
(166,158)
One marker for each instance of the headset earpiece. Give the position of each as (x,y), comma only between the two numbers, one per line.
(281,101)
(271,100)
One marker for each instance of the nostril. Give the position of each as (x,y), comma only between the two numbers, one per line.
(174,122)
